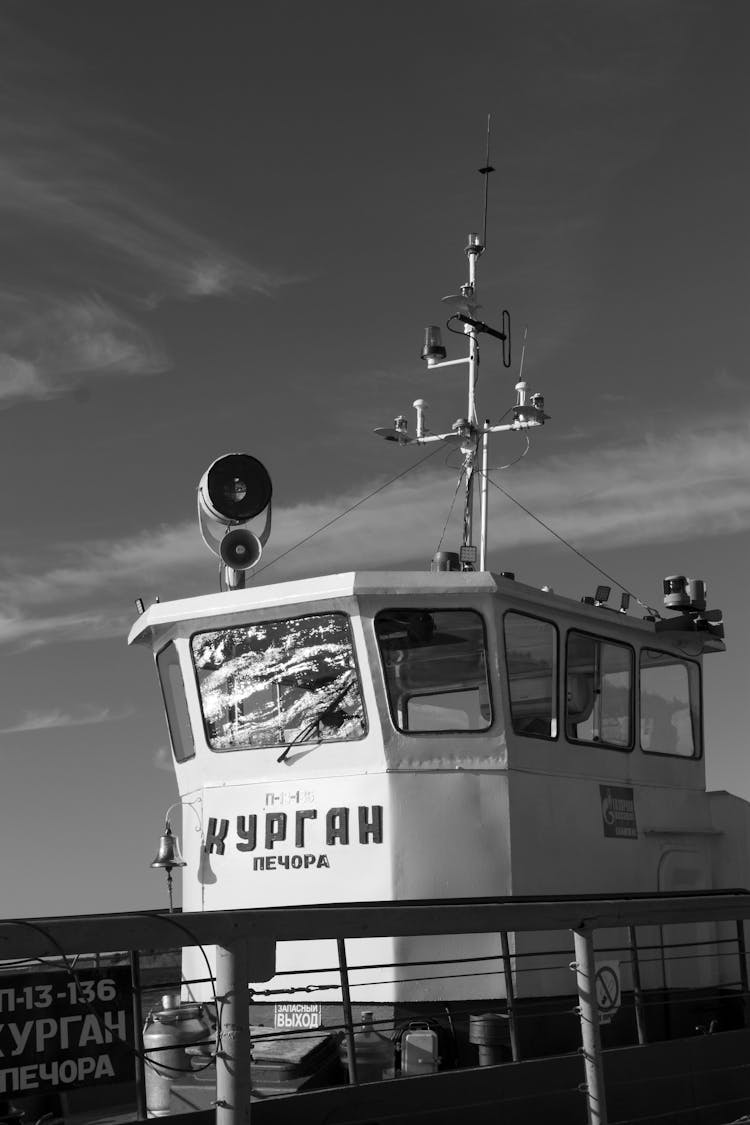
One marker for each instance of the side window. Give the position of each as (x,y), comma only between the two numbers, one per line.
(531,662)
(435,666)
(175,704)
(670,707)
(599,692)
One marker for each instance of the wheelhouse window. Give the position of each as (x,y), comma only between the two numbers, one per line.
(670,704)
(531,662)
(599,692)
(276,682)
(435,666)
(175,703)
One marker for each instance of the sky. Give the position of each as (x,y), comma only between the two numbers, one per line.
(224,226)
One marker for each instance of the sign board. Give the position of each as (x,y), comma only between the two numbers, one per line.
(607,989)
(60,1030)
(618,811)
(303,1015)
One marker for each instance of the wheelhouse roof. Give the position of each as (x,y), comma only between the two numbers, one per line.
(161,615)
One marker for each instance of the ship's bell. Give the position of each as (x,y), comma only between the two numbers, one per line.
(168,855)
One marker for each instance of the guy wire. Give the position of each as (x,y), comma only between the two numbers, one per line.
(570,546)
(351,508)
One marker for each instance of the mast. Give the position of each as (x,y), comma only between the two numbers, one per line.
(528,411)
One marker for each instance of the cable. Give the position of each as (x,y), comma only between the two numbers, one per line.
(450,510)
(570,546)
(351,508)
(520,457)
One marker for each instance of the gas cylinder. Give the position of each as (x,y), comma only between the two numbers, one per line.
(374,1052)
(172,1028)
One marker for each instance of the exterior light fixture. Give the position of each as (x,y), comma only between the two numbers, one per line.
(433,350)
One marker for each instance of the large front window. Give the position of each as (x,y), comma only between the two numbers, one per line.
(279,682)
(435,667)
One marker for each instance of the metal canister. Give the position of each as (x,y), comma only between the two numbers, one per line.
(168,1031)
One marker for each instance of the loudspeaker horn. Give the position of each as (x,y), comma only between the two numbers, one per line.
(240,549)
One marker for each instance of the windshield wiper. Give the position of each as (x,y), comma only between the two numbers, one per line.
(325,710)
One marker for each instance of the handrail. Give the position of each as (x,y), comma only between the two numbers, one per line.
(246,941)
(158,930)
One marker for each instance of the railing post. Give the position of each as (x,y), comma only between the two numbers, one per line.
(233,1048)
(140,1075)
(590,1037)
(351,1053)
(510,998)
(742,954)
(640,1014)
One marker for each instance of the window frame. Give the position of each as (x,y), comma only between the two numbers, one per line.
(446,732)
(556,685)
(698,755)
(165,703)
(273,621)
(601,744)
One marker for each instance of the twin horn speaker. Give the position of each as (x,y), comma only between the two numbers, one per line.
(234,490)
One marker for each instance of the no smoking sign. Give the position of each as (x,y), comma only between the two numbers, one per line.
(607,989)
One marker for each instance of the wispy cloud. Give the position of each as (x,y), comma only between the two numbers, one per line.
(56,719)
(91,241)
(726,381)
(163,758)
(55,183)
(594,497)
(49,341)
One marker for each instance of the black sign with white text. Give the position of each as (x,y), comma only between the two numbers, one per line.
(57,1032)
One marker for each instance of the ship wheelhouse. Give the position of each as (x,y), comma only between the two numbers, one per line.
(396,736)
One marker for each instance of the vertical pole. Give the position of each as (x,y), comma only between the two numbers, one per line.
(473,251)
(742,953)
(233,1053)
(640,1013)
(484,497)
(510,998)
(351,1054)
(140,1070)
(590,1037)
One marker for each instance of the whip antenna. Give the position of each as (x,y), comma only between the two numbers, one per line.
(523,352)
(486,173)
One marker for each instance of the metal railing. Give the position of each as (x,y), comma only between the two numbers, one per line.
(246,941)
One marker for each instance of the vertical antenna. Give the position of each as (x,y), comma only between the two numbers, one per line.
(523,352)
(486,173)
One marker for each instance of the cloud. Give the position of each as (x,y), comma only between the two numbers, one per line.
(56,185)
(49,341)
(163,758)
(79,215)
(20,378)
(645,491)
(726,381)
(649,490)
(32,629)
(56,719)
